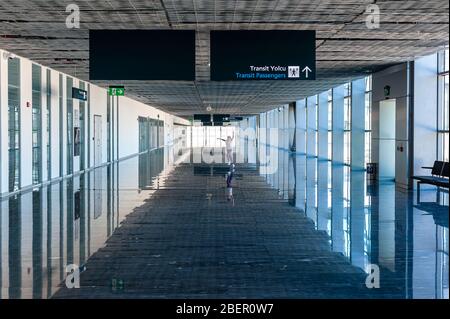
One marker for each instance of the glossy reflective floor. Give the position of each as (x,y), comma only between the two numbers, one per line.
(162,225)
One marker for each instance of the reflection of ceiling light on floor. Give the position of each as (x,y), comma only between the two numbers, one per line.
(209,108)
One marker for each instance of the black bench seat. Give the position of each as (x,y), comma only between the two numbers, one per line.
(439,177)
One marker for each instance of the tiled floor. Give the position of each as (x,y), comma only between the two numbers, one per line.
(151,229)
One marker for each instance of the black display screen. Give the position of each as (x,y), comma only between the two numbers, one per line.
(79,94)
(202,117)
(263,55)
(142,55)
(221,117)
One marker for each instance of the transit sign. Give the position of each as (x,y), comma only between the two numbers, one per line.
(263,55)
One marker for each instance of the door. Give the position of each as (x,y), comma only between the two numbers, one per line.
(387,140)
(97,140)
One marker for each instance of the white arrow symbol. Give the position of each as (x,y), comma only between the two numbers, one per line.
(306,70)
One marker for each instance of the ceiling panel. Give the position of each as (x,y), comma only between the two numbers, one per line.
(346,48)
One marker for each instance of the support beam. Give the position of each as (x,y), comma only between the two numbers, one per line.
(322,128)
(300,162)
(311,160)
(357,218)
(357,214)
(337,196)
(358,124)
(291,124)
(300,126)
(322,162)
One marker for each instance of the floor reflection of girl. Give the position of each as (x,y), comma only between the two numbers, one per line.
(230,176)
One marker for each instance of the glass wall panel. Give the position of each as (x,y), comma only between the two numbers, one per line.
(48,126)
(14,123)
(82,130)
(69,104)
(61,123)
(347,123)
(160,133)
(368,121)
(330,123)
(108,127)
(36,122)
(443,106)
(144,131)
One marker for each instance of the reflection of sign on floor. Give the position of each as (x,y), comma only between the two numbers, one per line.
(77,206)
(76,141)
(117,285)
(98,194)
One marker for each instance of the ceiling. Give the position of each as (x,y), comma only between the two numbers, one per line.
(345,47)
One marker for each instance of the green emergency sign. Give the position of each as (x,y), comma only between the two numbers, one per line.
(116,91)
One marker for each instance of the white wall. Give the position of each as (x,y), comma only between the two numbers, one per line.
(126,136)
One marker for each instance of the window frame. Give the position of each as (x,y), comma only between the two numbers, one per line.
(442,132)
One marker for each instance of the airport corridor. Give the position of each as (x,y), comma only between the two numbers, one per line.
(190,241)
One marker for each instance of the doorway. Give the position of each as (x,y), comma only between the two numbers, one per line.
(387,140)
(97,140)
(143,134)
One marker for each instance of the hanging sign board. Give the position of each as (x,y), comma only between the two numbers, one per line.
(263,55)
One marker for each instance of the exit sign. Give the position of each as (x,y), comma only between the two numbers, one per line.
(116,91)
